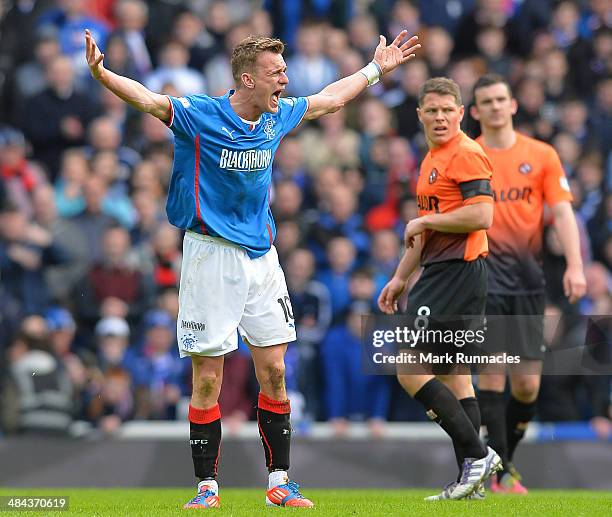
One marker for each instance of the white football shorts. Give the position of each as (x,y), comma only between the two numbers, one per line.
(222,290)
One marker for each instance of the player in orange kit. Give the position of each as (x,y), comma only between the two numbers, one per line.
(449,240)
(527,174)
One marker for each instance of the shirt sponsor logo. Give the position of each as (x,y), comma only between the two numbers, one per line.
(428,203)
(513,194)
(251,160)
(193,325)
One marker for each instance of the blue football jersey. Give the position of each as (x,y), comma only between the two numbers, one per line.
(222,169)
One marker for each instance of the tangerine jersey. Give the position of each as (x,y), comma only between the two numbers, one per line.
(451,176)
(525,176)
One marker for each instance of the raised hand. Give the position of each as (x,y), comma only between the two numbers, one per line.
(95,59)
(390,57)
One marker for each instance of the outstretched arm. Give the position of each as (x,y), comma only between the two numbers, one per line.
(132,92)
(386,58)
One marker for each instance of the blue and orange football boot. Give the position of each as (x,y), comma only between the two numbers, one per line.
(206,498)
(287,495)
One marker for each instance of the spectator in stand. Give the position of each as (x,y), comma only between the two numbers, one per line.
(132,17)
(158,370)
(30,77)
(149,217)
(18,33)
(333,143)
(147,178)
(342,220)
(118,56)
(568,148)
(114,403)
(38,397)
(188,28)
(349,393)
(445,13)
(312,312)
(93,220)
(287,202)
(602,116)
(62,330)
(18,175)
(218,72)
(363,34)
(60,278)
(310,70)
(288,238)
(25,251)
(437,47)
(341,256)
(105,165)
(173,69)
(104,135)
(70,182)
(375,123)
(414,74)
(289,163)
(112,286)
(237,393)
(385,256)
(492,44)
(486,13)
(65,111)
(161,258)
(598,299)
(112,341)
(70,19)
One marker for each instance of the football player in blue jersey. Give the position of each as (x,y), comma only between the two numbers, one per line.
(231,278)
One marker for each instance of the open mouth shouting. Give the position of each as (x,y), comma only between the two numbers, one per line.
(275,98)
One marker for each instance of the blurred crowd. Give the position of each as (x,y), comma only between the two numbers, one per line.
(89,265)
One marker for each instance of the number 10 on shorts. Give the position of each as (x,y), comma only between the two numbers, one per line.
(285,304)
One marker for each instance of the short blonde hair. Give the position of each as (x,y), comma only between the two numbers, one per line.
(440,86)
(245,54)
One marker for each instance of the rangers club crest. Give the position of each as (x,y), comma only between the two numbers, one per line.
(433,176)
(525,168)
(269,129)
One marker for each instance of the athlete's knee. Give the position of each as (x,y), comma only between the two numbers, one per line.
(492,382)
(206,382)
(460,385)
(525,388)
(273,376)
(413,383)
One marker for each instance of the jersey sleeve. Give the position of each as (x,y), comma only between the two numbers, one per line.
(472,171)
(291,112)
(554,183)
(186,112)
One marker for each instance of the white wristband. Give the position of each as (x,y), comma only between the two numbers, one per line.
(371,72)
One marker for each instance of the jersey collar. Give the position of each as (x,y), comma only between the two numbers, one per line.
(238,119)
(448,145)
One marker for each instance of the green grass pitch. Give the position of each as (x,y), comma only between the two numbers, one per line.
(154,502)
